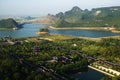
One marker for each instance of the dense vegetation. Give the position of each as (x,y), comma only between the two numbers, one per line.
(99,17)
(105,47)
(9,23)
(44,30)
(12,69)
(19,61)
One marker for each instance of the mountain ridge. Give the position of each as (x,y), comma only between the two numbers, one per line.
(76,17)
(104,16)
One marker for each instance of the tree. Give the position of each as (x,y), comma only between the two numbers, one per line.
(44,30)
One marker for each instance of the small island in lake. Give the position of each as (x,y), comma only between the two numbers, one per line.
(43,31)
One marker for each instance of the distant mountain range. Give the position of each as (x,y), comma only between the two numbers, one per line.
(76,17)
(9,23)
(49,19)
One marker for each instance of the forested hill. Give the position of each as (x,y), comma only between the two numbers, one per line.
(76,17)
(9,23)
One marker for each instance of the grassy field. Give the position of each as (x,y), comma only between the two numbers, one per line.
(58,37)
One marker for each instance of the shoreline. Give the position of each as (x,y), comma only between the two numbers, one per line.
(101,71)
(107,71)
(99,38)
(87,28)
(84,28)
(41,32)
(6,28)
(14,28)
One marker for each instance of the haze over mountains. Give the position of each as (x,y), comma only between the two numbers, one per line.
(76,17)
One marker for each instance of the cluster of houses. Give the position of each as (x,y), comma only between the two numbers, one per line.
(64,59)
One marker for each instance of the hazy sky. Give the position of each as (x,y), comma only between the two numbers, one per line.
(43,7)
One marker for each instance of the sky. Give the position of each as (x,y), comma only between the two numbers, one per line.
(43,7)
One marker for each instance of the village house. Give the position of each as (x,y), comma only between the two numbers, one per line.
(64,59)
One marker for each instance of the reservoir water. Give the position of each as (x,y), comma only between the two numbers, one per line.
(29,30)
(89,75)
(85,33)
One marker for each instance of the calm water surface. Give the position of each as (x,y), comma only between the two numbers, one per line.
(85,33)
(29,30)
(89,75)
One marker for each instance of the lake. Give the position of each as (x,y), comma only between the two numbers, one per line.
(85,33)
(89,75)
(29,30)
